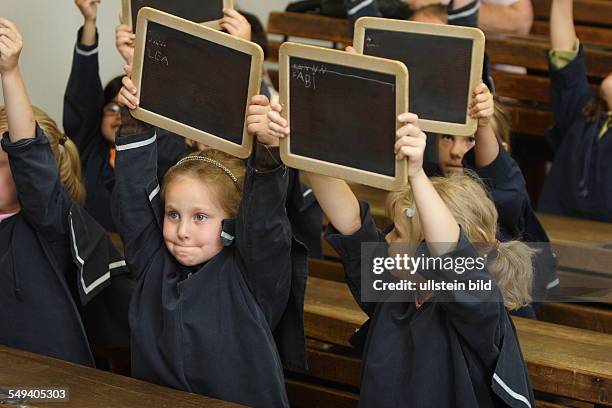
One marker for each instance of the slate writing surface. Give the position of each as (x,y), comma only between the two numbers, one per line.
(439,70)
(197,11)
(343,115)
(196,82)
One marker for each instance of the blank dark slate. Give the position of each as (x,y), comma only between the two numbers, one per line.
(439,70)
(196,82)
(194,10)
(343,115)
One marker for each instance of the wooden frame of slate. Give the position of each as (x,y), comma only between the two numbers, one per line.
(208,107)
(342,110)
(127,15)
(455,57)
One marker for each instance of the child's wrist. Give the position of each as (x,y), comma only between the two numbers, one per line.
(11,74)
(417,175)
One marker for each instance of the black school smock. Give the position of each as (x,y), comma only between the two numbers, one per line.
(517,219)
(580,180)
(63,286)
(459,354)
(211,329)
(83,113)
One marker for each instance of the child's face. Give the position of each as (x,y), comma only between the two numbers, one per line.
(451,150)
(8,191)
(192,221)
(111,121)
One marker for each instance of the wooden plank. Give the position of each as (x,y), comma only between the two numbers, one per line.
(328,270)
(91,388)
(588,35)
(583,317)
(563,361)
(590,12)
(521,87)
(567,229)
(310,26)
(531,52)
(304,395)
(528,120)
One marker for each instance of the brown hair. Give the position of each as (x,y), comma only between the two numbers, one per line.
(228,192)
(501,124)
(64,151)
(594,108)
(466,198)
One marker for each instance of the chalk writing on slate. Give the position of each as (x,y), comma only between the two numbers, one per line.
(343,115)
(196,82)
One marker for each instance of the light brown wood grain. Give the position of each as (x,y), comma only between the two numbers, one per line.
(91,388)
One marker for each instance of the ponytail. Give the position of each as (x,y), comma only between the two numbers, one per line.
(69,165)
(512,269)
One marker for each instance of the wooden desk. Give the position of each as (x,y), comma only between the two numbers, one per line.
(563,361)
(91,388)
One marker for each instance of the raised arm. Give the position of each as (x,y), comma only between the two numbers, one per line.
(44,200)
(516,18)
(84,99)
(439,227)
(482,108)
(562,31)
(138,190)
(569,87)
(19,111)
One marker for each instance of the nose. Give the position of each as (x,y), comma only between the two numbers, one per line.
(456,151)
(183,230)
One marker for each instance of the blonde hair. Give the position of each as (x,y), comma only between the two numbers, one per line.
(64,151)
(228,191)
(467,200)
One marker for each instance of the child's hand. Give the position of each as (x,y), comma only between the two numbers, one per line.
(10,46)
(482,106)
(410,143)
(236,24)
(89,8)
(351,50)
(277,125)
(124,41)
(127,95)
(257,120)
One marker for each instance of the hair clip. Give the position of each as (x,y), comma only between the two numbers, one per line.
(410,211)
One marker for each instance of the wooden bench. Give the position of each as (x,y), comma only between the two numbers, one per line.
(586,12)
(91,388)
(562,361)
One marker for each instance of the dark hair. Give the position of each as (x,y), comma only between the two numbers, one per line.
(594,108)
(112,89)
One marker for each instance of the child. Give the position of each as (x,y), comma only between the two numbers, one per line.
(443,349)
(91,119)
(56,263)
(221,285)
(485,155)
(578,184)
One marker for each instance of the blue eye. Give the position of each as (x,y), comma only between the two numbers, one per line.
(201,217)
(173,215)
(448,138)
